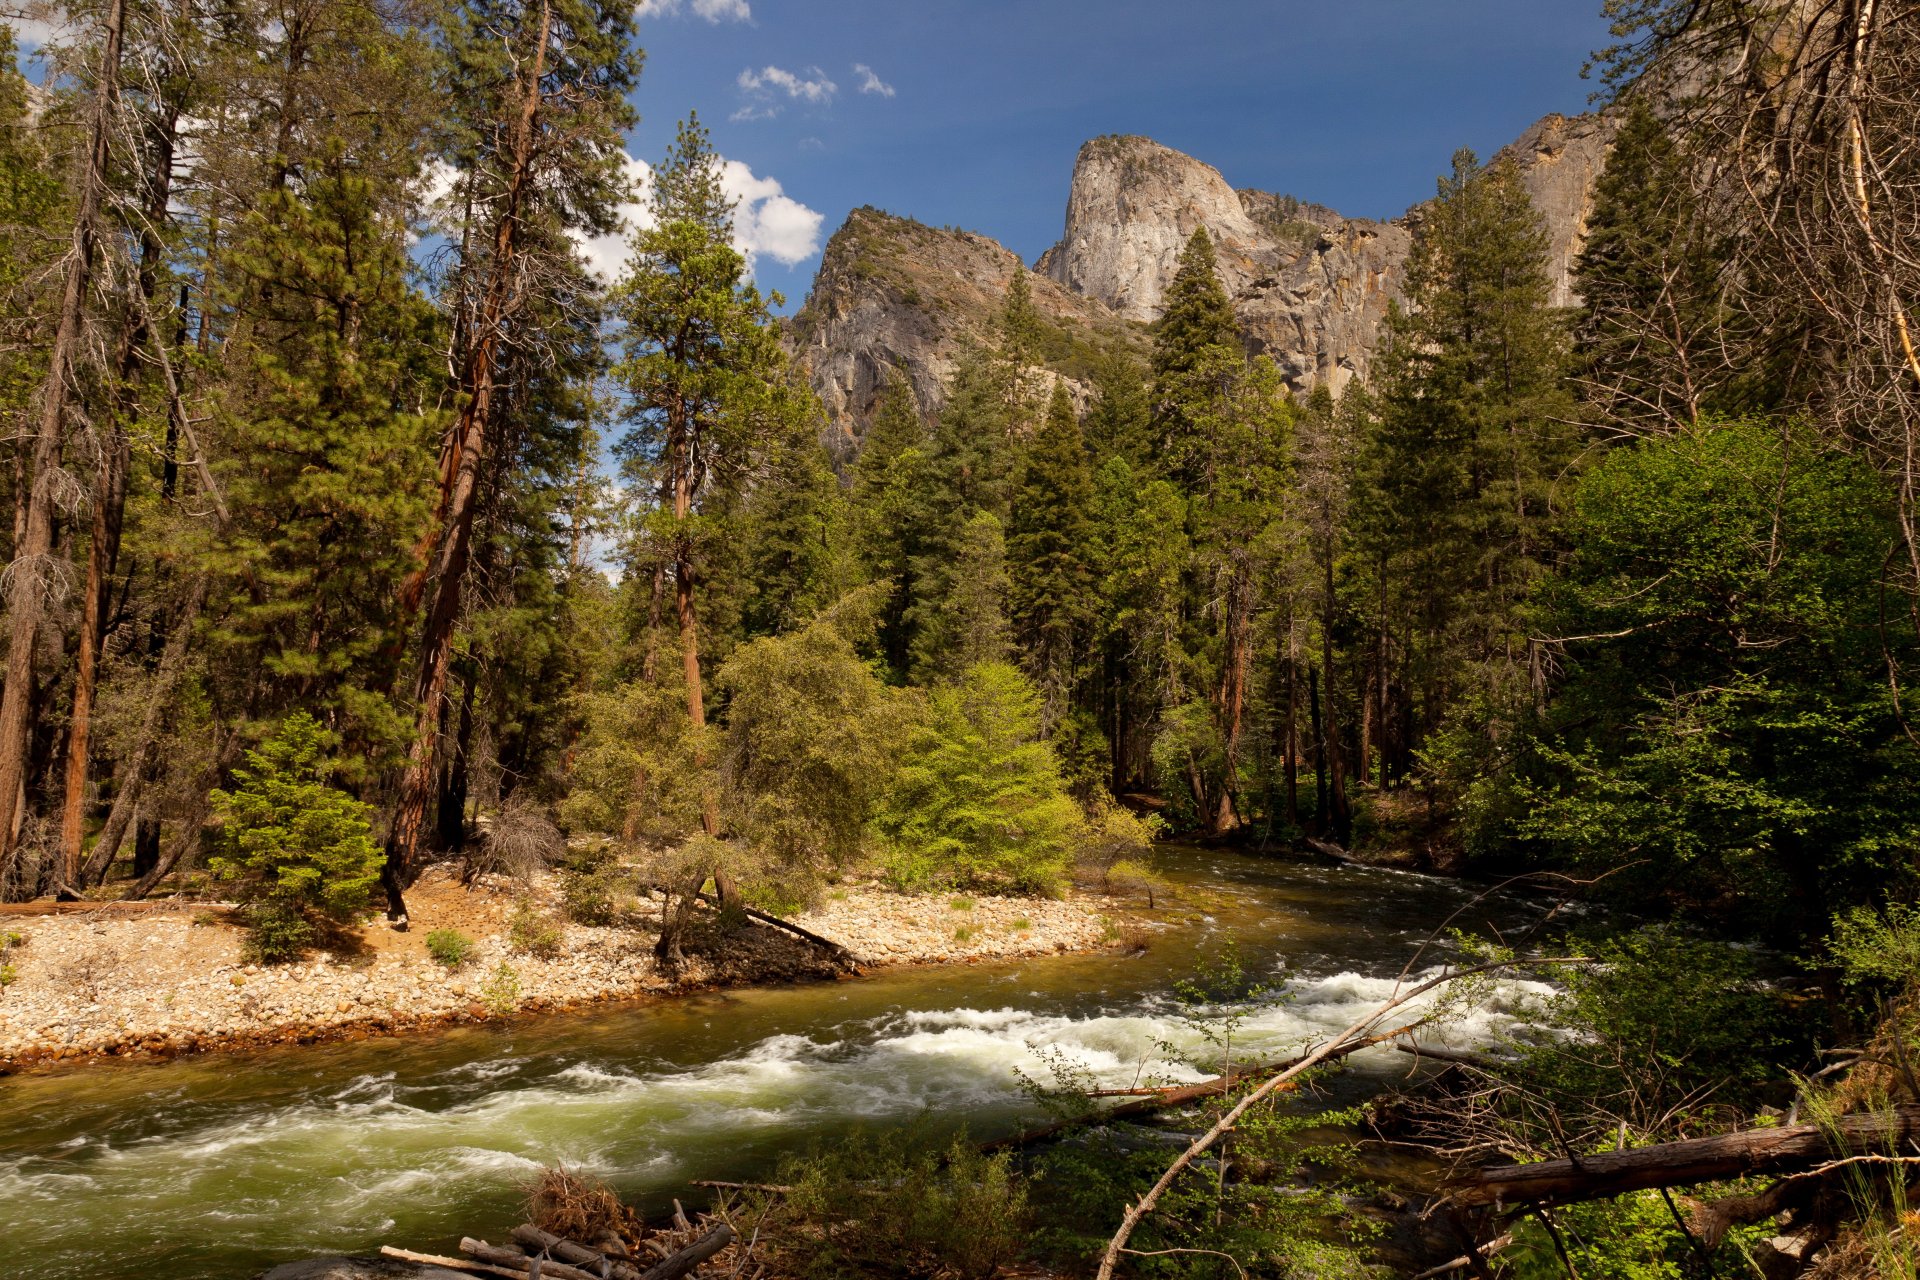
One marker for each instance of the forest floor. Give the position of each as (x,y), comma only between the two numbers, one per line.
(159,981)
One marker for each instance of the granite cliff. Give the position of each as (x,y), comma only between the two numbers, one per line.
(1311,287)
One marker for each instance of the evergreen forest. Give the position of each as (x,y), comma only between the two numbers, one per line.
(359,526)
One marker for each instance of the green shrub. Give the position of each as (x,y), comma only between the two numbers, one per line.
(1665,1027)
(979,802)
(449,947)
(297,850)
(532,933)
(590,885)
(500,993)
(957,1213)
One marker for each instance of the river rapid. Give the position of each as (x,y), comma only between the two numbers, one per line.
(220,1166)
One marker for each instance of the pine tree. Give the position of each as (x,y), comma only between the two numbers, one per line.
(1049,544)
(1196,354)
(329,456)
(885,510)
(540,88)
(970,626)
(1472,436)
(1651,330)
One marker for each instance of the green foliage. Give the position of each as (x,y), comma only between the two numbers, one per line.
(810,748)
(978,801)
(449,948)
(1668,1031)
(295,848)
(1879,948)
(500,993)
(888,1205)
(593,885)
(532,933)
(636,772)
(1725,734)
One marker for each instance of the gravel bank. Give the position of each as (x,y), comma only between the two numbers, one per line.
(167,982)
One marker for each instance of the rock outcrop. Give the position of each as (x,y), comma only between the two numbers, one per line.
(894,295)
(1560,159)
(1310,287)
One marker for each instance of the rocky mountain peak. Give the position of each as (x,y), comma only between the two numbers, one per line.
(1132,207)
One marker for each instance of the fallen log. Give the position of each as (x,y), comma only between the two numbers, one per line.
(593,1260)
(518,1263)
(1672,1164)
(1466,1260)
(1453,1056)
(111,906)
(676,1265)
(843,957)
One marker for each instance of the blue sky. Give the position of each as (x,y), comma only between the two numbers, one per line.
(972,111)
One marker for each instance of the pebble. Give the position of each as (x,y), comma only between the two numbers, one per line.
(161,984)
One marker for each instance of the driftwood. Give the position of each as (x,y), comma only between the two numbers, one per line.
(451,1264)
(1673,1164)
(678,1264)
(516,1262)
(841,956)
(1466,1260)
(594,1261)
(1453,1056)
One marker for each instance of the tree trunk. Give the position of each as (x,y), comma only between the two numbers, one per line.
(1674,1164)
(109,509)
(449,544)
(162,688)
(1319,749)
(27,599)
(1339,814)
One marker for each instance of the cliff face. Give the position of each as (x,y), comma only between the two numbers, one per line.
(1560,159)
(1311,288)
(895,294)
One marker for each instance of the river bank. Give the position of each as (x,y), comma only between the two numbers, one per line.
(165,982)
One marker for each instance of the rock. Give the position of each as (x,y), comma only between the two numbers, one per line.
(1311,288)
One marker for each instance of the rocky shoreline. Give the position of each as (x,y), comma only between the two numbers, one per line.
(162,982)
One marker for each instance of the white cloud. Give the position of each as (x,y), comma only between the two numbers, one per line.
(766,221)
(715,11)
(763,89)
(39,31)
(870,82)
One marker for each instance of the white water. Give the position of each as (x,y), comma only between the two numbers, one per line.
(211,1168)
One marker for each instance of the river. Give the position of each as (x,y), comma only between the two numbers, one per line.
(219,1166)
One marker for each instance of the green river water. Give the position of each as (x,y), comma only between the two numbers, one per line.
(220,1166)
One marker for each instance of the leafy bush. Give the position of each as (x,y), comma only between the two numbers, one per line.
(810,749)
(979,801)
(1665,1028)
(880,1206)
(500,993)
(297,850)
(532,933)
(449,947)
(591,885)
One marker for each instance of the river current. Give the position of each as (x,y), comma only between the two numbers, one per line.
(221,1166)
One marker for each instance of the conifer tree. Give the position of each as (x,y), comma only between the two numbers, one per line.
(1472,435)
(1651,331)
(970,626)
(330,453)
(1051,601)
(541,88)
(886,509)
